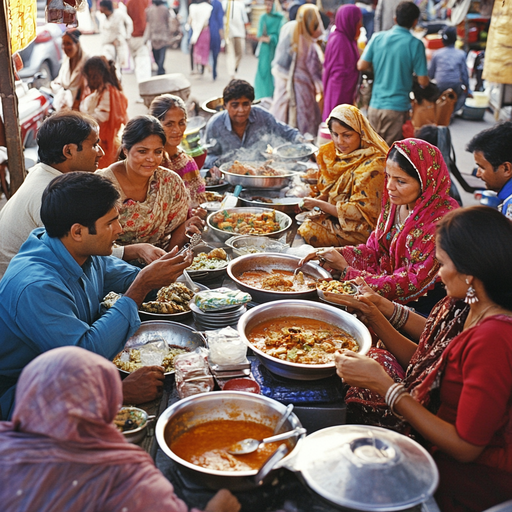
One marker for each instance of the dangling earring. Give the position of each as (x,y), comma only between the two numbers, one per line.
(471,297)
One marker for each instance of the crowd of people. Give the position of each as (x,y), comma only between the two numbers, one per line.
(112,200)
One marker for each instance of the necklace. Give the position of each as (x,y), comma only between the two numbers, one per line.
(400,223)
(479,317)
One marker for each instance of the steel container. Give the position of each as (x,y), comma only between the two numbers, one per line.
(266,182)
(304,309)
(268,262)
(221,405)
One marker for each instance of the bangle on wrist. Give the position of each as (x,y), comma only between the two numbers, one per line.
(393,395)
(399,317)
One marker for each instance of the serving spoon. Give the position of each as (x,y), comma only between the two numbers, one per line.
(251,445)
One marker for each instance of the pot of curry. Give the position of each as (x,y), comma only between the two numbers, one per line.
(197,432)
(298,339)
(269,276)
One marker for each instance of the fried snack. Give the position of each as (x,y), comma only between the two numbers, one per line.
(170,300)
(218,253)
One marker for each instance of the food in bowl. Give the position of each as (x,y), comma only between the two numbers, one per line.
(278,280)
(246,223)
(170,299)
(130,418)
(245,169)
(339,287)
(213,196)
(207,445)
(215,259)
(130,360)
(301,340)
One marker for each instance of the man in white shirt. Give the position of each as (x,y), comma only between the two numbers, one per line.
(115,28)
(68,141)
(235,21)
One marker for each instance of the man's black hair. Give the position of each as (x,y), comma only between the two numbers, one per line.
(107,4)
(495,143)
(59,130)
(406,14)
(237,89)
(76,198)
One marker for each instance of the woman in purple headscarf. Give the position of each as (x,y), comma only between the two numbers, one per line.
(341,55)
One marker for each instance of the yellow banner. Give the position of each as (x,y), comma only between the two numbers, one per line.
(22,23)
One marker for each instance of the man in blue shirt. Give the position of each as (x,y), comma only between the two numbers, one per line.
(51,292)
(395,56)
(492,151)
(242,126)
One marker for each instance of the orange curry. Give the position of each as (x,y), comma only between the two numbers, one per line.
(207,445)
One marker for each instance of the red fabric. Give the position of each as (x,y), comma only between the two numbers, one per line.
(62,451)
(401,265)
(476,389)
(109,130)
(137,11)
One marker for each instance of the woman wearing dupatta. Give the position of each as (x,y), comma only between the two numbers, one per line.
(340,75)
(270,25)
(457,392)
(297,70)
(398,260)
(62,451)
(154,202)
(350,182)
(106,103)
(172,113)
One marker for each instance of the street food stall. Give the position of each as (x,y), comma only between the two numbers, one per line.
(246,385)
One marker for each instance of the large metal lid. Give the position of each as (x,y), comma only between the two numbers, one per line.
(366,468)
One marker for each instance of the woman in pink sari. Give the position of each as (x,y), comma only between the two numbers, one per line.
(62,451)
(398,260)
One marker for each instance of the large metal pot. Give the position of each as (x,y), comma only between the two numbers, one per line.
(266,182)
(268,262)
(220,405)
(284,222)
(304,309)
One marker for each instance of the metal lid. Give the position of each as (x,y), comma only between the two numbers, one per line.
(366,468)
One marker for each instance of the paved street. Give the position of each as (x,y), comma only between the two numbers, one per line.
(204,88)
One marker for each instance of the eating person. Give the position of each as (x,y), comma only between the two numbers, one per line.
(243,125)
(350,182)
(62,451)
(171,111)
(457,390)
(398,260)
(154,203)
(51,292)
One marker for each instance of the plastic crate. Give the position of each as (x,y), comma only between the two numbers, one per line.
(473,113)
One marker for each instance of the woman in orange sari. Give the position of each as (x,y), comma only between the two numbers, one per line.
(106,103)
(350,182)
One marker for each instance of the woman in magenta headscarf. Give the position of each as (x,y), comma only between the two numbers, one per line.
(341,55)
(62,451)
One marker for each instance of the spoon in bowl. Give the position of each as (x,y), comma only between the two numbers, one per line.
(251,445)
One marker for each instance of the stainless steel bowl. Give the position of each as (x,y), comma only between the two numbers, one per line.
(270,261)
(219,405)
(289,205)
(173,332)
(295,151)
(304,309)
(207,274)
(284,221)
(257,244)
(266,182)
(136,435)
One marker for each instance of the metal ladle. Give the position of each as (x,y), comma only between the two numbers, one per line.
(251,445)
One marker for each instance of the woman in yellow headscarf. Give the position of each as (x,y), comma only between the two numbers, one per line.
(297,70)
(350,182)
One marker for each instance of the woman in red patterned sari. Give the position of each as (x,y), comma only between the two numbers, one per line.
(398,260)
(154,201)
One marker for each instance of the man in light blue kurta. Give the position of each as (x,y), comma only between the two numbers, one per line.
(51,292)
(395,56)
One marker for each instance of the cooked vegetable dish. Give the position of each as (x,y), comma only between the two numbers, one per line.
(246,223)
(129,419)
(215,259)
(207,445)
(135,363)
(340,287)
(301,340)
(278,280)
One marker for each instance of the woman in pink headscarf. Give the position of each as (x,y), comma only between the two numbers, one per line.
(62,451)
(341,55)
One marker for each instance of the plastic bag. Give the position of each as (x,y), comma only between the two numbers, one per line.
(226,347)
(192,374)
